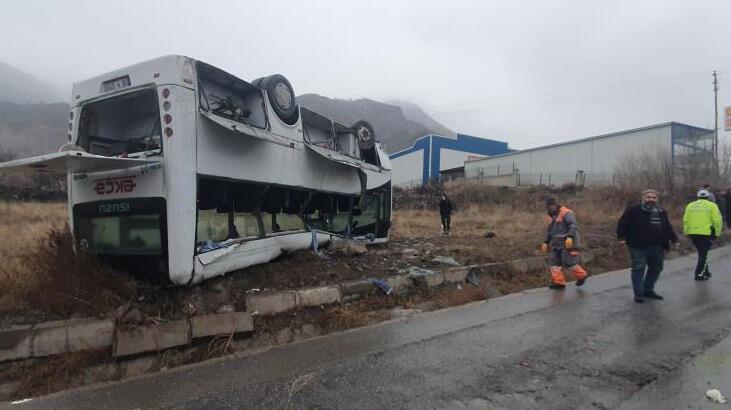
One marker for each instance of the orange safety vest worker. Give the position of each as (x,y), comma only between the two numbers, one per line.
(562,241)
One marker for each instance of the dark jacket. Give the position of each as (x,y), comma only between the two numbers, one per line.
(445,207)
(634,227)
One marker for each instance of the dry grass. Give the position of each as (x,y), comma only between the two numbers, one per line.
(42,273)
(21,226)
(48,375)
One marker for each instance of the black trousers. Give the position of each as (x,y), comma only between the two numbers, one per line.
(703,244)
(446,219)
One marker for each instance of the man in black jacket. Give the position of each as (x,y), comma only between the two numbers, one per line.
(647,232)
(445,212)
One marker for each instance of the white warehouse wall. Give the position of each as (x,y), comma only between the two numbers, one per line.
(450,158)
(408,169)
(597,157)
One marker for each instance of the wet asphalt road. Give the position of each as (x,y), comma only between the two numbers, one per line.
(581,348)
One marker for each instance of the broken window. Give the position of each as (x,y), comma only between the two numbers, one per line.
(230,210)
(317,129)
(374,216)
(280,208)
(225,211)
(227,96)
(124,124)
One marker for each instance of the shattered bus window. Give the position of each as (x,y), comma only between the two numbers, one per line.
(230,97)
(127,124)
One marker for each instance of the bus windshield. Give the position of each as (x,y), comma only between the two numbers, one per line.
(122,125)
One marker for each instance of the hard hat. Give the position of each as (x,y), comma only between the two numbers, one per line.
(703,193)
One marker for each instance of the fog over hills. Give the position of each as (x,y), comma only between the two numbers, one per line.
(19,87)
(29,125)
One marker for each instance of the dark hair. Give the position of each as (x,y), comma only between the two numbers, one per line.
(551,202)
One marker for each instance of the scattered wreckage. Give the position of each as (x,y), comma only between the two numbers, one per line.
(182,171)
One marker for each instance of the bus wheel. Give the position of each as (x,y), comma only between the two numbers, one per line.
(281,97)
(365,134)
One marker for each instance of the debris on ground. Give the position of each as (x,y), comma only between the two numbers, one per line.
(417,272)
(489,234)
(383,286)
(473,279)
(716,396)
(446,260)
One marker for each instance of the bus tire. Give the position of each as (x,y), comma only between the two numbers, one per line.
(365,135)
(281,97)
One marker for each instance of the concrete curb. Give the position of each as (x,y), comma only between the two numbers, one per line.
(74,335)
(51,338)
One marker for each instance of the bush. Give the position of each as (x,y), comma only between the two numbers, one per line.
(57,280)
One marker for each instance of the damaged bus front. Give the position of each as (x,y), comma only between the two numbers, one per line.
(179,170)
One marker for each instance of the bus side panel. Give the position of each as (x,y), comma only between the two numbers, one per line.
(180,185)
(224,153)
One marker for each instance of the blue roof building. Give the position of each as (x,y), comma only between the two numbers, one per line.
(432,153)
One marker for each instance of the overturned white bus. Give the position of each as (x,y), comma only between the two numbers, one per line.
(179,170)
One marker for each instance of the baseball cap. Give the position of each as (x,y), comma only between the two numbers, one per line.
(703,193)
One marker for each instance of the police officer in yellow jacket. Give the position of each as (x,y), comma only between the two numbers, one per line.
(562,239)
(702,223)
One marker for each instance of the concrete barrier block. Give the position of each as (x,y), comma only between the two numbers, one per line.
(149,338)
(456,275)
(90,334)
(400,283)
(15,343)
(269,303)
(49,338)
(319,296)
(176,333)
(357,287)
(220,324)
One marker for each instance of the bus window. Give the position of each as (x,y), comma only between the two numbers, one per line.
(365,219)
(228,96)
(212,225)
(125,124)
(282,222)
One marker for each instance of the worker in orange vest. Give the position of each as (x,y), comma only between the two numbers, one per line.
(562,239)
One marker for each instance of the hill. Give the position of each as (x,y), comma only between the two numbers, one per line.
(32,129)
(396,126)
(19,87)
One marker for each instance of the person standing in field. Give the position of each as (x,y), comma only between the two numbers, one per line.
(702,223)
(445,212)
(647,232)
(562,241)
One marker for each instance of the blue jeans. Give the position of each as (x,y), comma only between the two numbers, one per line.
(645,259)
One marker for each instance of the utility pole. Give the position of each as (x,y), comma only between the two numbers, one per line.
(715,107)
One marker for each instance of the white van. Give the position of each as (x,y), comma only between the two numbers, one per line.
(181,171)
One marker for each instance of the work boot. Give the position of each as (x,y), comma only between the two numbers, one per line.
(638,299)
(556,286)
(653,295)
(581,281)
(701,277)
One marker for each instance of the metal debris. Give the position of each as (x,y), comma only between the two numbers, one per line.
(447,260)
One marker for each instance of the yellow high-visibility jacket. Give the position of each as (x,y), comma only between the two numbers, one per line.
(702,217)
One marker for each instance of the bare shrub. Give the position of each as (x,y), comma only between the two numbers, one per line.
(53,278)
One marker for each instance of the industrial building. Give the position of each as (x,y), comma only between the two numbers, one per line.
(591,160)
(431,154)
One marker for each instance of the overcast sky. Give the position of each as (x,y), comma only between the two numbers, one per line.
(526,72)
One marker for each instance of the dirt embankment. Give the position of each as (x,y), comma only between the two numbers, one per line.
(44,279)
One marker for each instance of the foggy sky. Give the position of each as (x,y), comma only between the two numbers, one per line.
(527,72)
